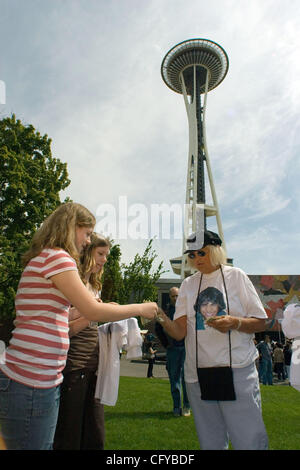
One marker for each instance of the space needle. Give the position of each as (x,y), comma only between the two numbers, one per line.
(193,68)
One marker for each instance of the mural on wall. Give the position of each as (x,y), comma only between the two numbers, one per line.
(276,292)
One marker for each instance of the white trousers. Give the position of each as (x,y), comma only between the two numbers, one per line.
(239,421)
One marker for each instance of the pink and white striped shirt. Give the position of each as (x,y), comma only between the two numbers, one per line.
(38,348)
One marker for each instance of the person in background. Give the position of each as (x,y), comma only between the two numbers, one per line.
(226,339)
(287,351)
(80,424)
(266,362)
(31,376)
(151,354)
(278,358)
(175,364)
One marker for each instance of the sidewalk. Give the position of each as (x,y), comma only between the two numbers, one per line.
(139,367)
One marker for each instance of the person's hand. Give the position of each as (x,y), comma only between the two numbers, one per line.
(149,310)
(223,323)
(161,316)
(74,314)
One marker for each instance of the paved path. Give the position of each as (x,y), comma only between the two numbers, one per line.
(139,369)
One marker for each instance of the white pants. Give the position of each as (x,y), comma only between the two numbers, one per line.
(239,420)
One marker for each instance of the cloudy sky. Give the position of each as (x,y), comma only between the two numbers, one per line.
(87,73)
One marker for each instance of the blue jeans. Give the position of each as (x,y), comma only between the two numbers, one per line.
(266,371)
(28,415)
(175,363)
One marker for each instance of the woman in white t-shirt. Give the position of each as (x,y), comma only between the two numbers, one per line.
(220,341)
(31,375)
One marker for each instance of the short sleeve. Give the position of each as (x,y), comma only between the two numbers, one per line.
(250,298)
(58,262)
(181,302)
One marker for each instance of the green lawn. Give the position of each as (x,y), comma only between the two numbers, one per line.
(142,418)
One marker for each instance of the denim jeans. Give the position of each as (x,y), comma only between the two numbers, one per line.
(175,363)
(266,372)
(28,415)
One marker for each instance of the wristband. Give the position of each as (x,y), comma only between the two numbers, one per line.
(240,323)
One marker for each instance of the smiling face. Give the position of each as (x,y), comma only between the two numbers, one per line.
(202,263)
(100,254)
(209,309)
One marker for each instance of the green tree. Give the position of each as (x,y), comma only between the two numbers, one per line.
(30,182)
(134,282)
(140,277)
(112,278)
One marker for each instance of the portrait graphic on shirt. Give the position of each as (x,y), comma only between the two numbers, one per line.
(210,303)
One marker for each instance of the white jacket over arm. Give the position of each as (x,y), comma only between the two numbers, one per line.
(291,328)
(113,337)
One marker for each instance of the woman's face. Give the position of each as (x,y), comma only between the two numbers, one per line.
(202,263)
(100,254)
(209,309)
(83,237)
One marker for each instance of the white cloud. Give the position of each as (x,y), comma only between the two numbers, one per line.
(88,75)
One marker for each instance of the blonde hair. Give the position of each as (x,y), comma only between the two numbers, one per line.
(58,230)
(217,256)
(87,261)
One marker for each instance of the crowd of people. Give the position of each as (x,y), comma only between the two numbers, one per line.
(47,381)
(274,360)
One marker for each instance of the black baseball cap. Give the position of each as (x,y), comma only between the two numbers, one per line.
(207,237)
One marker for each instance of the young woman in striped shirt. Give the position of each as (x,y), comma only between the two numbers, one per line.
(80,424)
(31,375)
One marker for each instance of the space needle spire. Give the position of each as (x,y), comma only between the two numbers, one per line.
(193,68)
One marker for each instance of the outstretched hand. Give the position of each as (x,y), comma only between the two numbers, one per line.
(149,310)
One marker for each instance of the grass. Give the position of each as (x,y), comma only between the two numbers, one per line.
(143,420)
(281,412)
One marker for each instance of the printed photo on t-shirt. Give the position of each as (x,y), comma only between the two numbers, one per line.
(210,303)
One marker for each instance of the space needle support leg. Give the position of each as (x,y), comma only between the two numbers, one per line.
(187,207)
(209,172)
(192,171)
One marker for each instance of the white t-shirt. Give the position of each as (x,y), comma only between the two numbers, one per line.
(113,337)
(213,346)
(291,328)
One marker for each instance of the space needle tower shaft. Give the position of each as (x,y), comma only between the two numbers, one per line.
(193,68)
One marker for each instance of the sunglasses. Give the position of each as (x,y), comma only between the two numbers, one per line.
(198,253)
